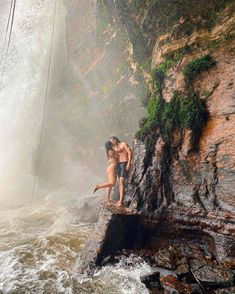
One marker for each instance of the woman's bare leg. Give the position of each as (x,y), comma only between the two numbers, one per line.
(104,185)
(112,176)
(108,193)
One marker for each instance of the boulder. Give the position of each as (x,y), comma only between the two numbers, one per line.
(115,230)
(172,285)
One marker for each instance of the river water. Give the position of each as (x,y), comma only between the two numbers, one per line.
(39,252)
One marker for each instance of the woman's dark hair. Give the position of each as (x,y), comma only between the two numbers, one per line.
(115,138)
(108,146)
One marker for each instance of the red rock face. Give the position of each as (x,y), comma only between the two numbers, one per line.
(211,171)
(195,189)
(218,139)
(184,196)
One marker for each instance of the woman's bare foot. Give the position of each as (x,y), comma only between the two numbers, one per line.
(96,188)
(108,203)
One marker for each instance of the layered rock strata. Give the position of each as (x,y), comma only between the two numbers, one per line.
(181,184)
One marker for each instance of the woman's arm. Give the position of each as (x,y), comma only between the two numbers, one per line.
(113,154)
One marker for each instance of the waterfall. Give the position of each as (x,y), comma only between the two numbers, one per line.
(89,97)
(22,92)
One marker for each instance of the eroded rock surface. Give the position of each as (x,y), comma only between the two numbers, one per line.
(181,187)
(115,230)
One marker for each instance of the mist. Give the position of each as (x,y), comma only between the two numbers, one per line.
(88,97)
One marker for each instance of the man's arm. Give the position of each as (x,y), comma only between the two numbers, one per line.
(129,152)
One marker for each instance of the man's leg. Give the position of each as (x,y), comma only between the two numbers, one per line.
(121,191)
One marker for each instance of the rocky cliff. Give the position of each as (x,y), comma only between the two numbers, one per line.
(183,172)
(100,82)
(184,151)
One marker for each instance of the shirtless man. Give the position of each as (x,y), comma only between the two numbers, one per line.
(125,156)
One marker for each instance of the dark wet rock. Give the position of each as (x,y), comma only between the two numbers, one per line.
(115,230)
(181,187)
(88,211)
(229,262)
(156,291)
(229,290)
(151,281)
(182,267)
(172,285)
(211,275)
(196,289)
(165,259)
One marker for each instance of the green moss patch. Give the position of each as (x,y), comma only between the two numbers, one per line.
(192,112)
(151,121)
(160,72)
(180,113)
(197,66)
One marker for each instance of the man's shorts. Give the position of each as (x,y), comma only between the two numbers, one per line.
(121,170)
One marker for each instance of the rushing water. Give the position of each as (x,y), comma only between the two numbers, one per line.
(39,250)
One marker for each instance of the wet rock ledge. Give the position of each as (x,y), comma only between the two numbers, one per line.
(115,230)
(183,258)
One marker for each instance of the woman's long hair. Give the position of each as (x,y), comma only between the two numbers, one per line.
(108,147)
(115,138)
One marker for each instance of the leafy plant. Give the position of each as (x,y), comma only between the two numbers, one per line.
(180,113)
(197,66)
(192,112)
(159,73)
(154,109)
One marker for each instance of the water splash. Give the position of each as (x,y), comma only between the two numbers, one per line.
(39,250)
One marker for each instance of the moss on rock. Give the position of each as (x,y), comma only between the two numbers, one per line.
(197,66)
(180,113)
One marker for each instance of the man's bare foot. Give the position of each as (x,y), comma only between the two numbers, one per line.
(119,204)
(128,209)
(96,188)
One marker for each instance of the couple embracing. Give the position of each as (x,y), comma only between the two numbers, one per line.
(119,155)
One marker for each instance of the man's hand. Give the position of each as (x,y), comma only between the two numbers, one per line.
(129,152)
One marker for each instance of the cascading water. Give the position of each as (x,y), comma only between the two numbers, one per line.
(24,73)
(75,87)
(40,244)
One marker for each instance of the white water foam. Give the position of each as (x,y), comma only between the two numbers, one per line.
(39,250)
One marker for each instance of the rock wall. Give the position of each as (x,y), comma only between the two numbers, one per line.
(187,180)
(100,78)
(177,183)
(181,185)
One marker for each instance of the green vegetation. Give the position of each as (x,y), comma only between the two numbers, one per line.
(101,25)
(160,72)
(146,65)
(180,113)
(149,123)
(192,112)
(197,66)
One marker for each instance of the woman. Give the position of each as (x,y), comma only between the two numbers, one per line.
(111,172)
